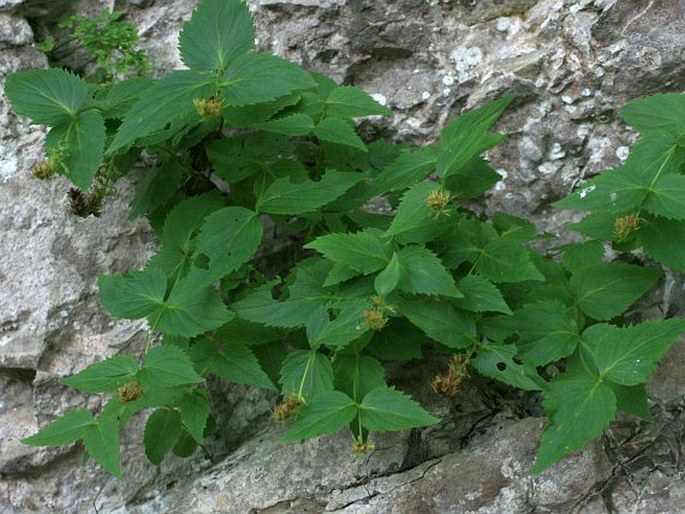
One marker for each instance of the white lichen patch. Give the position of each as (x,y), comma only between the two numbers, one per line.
(465,59)
(503,24)
(622,152)
(548,168)
(381,99)
(556,152)
(586,191)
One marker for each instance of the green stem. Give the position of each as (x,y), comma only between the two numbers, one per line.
(662,167)
(355,384)
(475,263)
(658,175)
(148,341)
(304,375)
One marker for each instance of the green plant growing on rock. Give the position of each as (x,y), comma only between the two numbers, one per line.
(109,41)
(243,138)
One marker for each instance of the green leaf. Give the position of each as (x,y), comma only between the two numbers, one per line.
(607,290)
(48,97)
(464,242)
(326,414)
(339,131)
(262,155)
(480,295)
(472,180)
(548,332)
(255,78)
(618,190)
(132,295)
(345,327)
(195,410)
(248,115)
(351,102)
(632,400)
(408,169)
(663,241)
(415,221)
(101,440)
(655,155)
(580,407)
(423,273)
(582,255)
(64,430)
(116,101)
(399,340)
(440,321)
(180,227)
(513,228)
(250,334)
(384,409)
(165,367)
(307,373)
(356,375)
(466,137)
(171,98)
(667,197)
(293,125)
(228,238)
(363,252)
(191,310)
(218,32)
(284,197)
(388,279)
(339,273)
(306,294)
(105,376)
(627,356)
(162,430)
(185,446)
(231,361)
(657,113)
(598,225)
(83,143)
(505,261)
(157,188)
(497,360)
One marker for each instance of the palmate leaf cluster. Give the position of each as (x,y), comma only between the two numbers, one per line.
(244,140)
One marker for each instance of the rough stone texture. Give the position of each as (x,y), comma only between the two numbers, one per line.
(573,64)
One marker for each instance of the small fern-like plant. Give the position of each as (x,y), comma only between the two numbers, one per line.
(242,138)
(108,40)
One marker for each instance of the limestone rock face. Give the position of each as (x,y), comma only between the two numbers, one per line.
(572,64)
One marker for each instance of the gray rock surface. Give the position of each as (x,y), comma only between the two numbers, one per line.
(573,64)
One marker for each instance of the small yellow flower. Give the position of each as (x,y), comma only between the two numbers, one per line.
(289,408)
(359,446)
(374,319)
(624,225)
(43,170)
(447,384)
(208,108)
(438,200)
(129,392)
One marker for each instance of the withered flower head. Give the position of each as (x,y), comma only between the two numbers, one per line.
(288,409)
(129,392)
(447,384)
(438,200)
(624,225)
(374,319)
